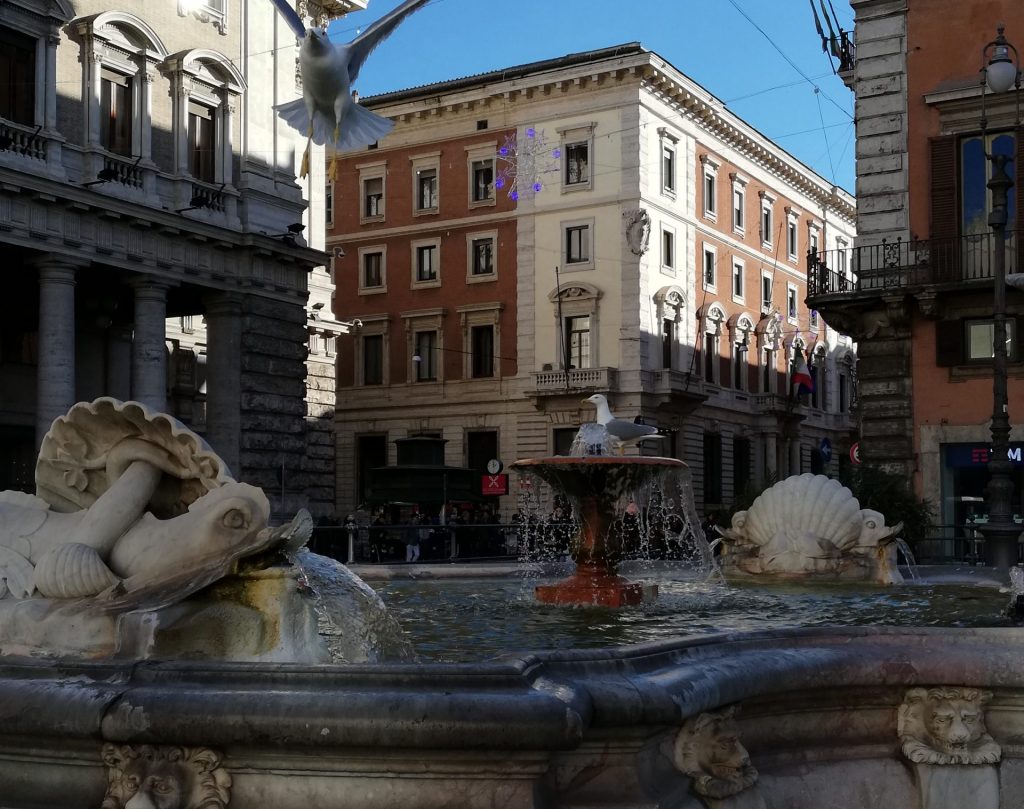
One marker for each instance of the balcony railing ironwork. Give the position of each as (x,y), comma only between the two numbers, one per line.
(900,264)
(553,382)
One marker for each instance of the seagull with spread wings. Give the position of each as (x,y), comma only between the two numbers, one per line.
(327,113)
(622,432)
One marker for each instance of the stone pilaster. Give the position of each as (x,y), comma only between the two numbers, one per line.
(118,381)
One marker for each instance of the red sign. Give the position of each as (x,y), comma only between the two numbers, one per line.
(855,452)
(494,485)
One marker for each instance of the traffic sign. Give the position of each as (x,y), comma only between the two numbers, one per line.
(855,452)
(494,485)
(826,450)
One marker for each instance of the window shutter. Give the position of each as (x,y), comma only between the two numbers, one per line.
(948,343)
(944,206)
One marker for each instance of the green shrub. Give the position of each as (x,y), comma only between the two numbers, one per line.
(892,496)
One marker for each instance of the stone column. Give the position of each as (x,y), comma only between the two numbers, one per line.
(55,373)
(149,354)
(118,382)
(794,456)
(771,455)
(224,377)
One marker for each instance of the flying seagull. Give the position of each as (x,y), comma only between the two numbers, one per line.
(621,431)
(327,113)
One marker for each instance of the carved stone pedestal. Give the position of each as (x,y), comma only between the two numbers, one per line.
(944,786)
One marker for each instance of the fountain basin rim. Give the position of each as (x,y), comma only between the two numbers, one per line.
(598,460)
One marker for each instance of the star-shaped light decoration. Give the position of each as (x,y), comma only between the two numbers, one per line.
(526,164)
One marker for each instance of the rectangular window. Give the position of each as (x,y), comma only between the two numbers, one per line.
(737,208)
(668,249)
(425,357)
(737,279)
(373,359)
(791,239)
(426,262)
(373,197)
(116,113)
(766,293)
(482,338)
(813,248)
(577,244)
(483,256)
(483,180)
(981,339)
(577,163)
(791,303)
(426,189)
(710,198)
(577,340)
(709,267)
(373,269)
(329,204)
(201,142)
(710,356)
(766,224)
(739,365)
(17,77)
(844,391)
(668,169)
(768,371)
(562,439)
(668,339)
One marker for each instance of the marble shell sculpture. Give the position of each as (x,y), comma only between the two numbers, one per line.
(814,505)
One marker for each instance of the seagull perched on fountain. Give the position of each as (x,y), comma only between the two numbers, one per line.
(327,112)
(622,432)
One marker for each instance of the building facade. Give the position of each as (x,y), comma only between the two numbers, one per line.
(916,291)
(658,260)
(152,229)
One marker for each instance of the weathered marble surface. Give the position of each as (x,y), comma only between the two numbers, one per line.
(810,527)
(571,729)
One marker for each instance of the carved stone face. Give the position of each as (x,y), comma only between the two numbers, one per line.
(946,726)
(149,777)
(708,749)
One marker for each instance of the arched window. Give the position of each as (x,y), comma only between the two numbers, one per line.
(742,338)
(712,328)
(575,310)
(670,303)
(818,363)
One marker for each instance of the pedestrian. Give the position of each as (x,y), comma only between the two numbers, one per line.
(412,538)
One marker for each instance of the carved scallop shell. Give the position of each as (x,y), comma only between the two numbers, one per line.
(72,571)
(806,503)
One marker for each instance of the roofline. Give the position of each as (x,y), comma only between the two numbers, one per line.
(515,72)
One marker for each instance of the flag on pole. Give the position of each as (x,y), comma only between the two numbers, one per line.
(802,379)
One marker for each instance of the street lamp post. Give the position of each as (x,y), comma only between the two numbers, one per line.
(1001,72)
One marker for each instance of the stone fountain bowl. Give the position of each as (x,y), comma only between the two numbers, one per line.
(588,475)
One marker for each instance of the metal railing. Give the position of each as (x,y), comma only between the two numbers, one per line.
(900,264)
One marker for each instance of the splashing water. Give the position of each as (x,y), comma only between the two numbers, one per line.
(351,617)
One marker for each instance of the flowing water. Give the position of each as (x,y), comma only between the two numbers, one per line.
(465,620)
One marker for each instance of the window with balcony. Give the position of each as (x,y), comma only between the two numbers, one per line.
(17,77)
(668,341)
(577,341)
(740,362)
(768,374)
(202,159)
(116,113)
(711,357)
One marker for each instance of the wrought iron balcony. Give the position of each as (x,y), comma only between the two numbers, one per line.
(901,265)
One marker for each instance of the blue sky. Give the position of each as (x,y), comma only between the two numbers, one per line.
(709,40)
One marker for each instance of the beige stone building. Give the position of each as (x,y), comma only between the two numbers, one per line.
(662,263)
(158,245)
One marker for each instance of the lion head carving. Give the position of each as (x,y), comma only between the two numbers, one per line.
(946,726)
(148,777)
(708,749)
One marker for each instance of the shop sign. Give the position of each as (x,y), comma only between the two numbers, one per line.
(978,454)
(494,485)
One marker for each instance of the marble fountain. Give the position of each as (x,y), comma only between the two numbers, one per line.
(163,647)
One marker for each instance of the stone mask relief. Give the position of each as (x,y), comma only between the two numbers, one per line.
(946,725)
(151,777)
(708,749)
